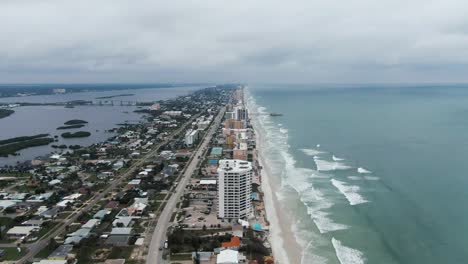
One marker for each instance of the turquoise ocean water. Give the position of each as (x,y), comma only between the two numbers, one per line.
(372,174)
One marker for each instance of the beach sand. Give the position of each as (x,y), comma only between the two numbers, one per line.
(283,242)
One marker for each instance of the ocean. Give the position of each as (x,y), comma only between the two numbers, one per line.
(367,173)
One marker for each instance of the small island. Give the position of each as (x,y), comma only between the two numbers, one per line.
(5,113)
(78,134)
(114,96)
(70,126)
(12,145)
(75,122)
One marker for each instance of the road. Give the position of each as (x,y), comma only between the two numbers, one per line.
(159,235)
(34,248)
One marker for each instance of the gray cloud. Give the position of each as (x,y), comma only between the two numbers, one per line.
(251,41)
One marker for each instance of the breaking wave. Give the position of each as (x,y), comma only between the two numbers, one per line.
(336,158)
(351,192)
(307,184)
(312,152)
(347,255)
(363,171)
(324,165)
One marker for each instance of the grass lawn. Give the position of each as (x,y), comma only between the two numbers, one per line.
(12,253)
(15,174)
(5,221)
(138,228)
(44,230)
(63,215)
(173,216)
(24,188)
(160,196)
(155,205)
(120,252)
(45,252)
(181,256)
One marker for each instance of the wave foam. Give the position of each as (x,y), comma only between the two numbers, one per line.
(355,178)
(324,165)
(347,255)
(371,178)
(308,256)
(316,203)
(349,191)
(336,158)
(362,170)
(324,223)
(276,229)
(312,152)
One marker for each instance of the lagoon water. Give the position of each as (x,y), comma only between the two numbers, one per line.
(32,120)
(371,174)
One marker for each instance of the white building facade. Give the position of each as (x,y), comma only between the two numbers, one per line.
(234,189)
(191,137)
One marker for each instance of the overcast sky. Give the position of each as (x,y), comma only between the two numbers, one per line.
(305,41)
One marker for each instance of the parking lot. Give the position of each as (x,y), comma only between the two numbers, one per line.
(202,212)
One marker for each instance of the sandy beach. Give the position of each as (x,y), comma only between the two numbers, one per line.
(284,245)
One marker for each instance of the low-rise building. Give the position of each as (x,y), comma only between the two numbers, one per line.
(21,231)
(101,214)
(48,261)
(228,256)
(122,222)
(63,252)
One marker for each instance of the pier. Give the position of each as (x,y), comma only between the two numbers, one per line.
(270,114)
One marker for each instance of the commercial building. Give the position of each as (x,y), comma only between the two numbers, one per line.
(229,256)
(191,137)
(234,124)
(231,115)
(155,107)
(173,113)
(240,151)
(202,125)
(241,113)
(234,189)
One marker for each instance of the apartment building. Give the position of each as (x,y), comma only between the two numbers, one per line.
(234,189)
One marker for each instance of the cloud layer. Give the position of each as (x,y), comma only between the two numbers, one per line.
(247,41)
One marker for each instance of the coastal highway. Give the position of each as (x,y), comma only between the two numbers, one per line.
(159,235)
(34,248)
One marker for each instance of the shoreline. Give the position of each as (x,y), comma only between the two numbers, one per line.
(283,241)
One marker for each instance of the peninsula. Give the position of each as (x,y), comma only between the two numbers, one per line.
(5,112)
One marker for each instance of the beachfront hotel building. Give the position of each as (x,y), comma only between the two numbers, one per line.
(241,113)
(234,124)
(234,189)
(239,152)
